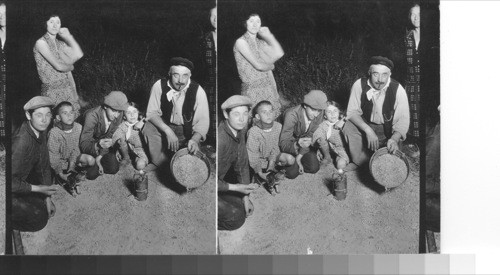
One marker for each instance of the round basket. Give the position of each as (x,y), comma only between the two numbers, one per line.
(389,170)
(190,170)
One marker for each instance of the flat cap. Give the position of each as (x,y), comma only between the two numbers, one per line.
(116,100)
(316,99)
(235,101)
(181,61)
(376,60)
(38,102)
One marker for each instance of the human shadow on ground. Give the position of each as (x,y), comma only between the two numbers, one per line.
(166,178)
(328,183)
(367,180)
(129,184)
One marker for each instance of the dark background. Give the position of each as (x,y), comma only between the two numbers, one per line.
(126,44)
(326,43)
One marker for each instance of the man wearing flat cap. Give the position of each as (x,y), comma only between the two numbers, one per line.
(233,170)
(100,124)
(32,185)
(298,128)
(177,114)
(378,113)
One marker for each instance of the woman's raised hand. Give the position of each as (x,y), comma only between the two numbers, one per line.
(64,33)
(264,32)
(273,50)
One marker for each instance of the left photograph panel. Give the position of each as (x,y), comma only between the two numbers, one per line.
(112,108)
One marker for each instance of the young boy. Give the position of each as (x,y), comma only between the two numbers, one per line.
(263,142)
(64,152)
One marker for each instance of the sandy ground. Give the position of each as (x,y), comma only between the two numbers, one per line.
(107,219)
(304,216)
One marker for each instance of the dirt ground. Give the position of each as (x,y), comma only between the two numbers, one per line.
(107,219)
(306,217)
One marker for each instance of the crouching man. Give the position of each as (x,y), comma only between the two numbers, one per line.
(378,113)
(96,139)
(177,114)
(233,172)
(32,185)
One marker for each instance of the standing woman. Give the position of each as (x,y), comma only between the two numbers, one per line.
(412,84)
(255,53)
(55,54)
(3,73)
(209,61)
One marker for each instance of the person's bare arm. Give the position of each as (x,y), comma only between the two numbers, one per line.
(201,121)
(243,48)
(72,52)
(272,49)
(44,50)
(48,190)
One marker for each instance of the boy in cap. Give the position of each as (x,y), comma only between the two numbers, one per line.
(96,138)
(299,126)
(32,185)
(64,151)
(378,113)
(234,203)
(177,114)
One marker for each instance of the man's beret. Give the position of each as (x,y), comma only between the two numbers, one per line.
(38,102)
(181,61)
(235,101)
(376,60)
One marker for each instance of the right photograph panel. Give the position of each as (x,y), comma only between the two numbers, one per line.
(320,127)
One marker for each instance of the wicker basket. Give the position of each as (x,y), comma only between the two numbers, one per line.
(397,154)
(200,155)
